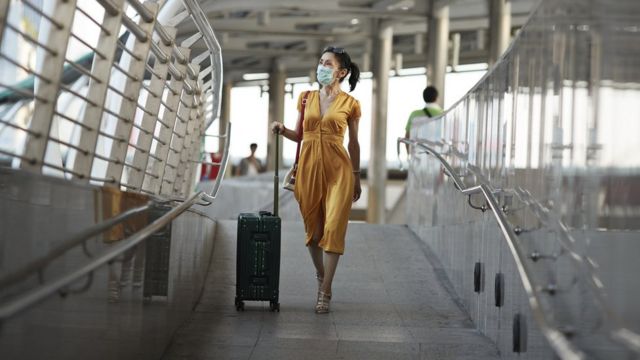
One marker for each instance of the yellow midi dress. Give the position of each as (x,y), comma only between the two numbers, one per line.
(324,179)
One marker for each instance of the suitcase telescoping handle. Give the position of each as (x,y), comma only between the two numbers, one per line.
(276,179)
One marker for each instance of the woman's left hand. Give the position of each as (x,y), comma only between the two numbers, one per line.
(357,190)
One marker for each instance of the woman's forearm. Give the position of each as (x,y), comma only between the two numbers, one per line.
(354,154)
(290,134)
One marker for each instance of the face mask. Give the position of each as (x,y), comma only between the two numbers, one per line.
(324,75)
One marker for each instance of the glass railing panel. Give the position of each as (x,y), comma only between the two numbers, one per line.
(552,127)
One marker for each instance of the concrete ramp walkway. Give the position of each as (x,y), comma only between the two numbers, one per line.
(388,303)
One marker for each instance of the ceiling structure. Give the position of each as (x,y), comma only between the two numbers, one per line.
(257,35)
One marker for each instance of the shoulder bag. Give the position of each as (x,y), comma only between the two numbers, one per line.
(289,181)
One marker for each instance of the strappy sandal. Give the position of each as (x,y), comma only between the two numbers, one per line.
(322,306)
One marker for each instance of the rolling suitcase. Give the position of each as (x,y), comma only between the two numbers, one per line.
(258,254)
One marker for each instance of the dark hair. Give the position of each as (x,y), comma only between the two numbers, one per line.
(253,146)
(430,94)
(345,63)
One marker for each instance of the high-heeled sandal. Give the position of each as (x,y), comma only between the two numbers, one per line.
(322,306)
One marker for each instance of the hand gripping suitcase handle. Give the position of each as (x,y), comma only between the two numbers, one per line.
(276,179)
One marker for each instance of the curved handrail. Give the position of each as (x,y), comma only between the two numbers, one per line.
(41,292)
(224,162)
(38,294)
(620,334)
(201,22)
(626,337)
(558,341)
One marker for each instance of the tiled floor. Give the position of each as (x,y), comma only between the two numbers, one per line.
(387,303)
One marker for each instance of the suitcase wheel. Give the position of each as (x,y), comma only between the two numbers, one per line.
(239,305)
(274,306)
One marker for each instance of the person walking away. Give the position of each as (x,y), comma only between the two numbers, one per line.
(430,110)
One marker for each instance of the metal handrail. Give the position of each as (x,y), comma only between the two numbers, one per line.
(556,338)
(223,167)
(624,336)
(617,332)
(33,296)
(40,293)
(37,265)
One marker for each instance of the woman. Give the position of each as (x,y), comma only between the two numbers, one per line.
(327,179)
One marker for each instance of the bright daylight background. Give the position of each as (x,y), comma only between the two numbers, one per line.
(250,111)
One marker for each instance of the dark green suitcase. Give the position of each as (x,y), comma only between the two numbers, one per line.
(258,259)
(258,254)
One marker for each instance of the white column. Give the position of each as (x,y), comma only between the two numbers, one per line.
(455,51)
(438,35)
(377,172)
(499,28)
(276,108)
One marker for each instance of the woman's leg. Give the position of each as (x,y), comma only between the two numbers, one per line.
(330,265)
(315,251)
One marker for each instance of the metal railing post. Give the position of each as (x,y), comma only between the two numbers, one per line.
(131,89)
(192,150)
(149,119)
(177,140)
(46,93)
(161,152)
(97,92)
(4,12)
(183,165)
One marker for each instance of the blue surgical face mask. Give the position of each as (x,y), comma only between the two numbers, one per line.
(324,75)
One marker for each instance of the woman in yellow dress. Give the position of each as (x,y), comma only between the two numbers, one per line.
(327,179)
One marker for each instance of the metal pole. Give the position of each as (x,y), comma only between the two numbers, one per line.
(377,172)
(276,178)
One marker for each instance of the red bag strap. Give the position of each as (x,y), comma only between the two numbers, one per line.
(300,125)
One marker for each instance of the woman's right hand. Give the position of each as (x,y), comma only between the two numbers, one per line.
(277,127)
